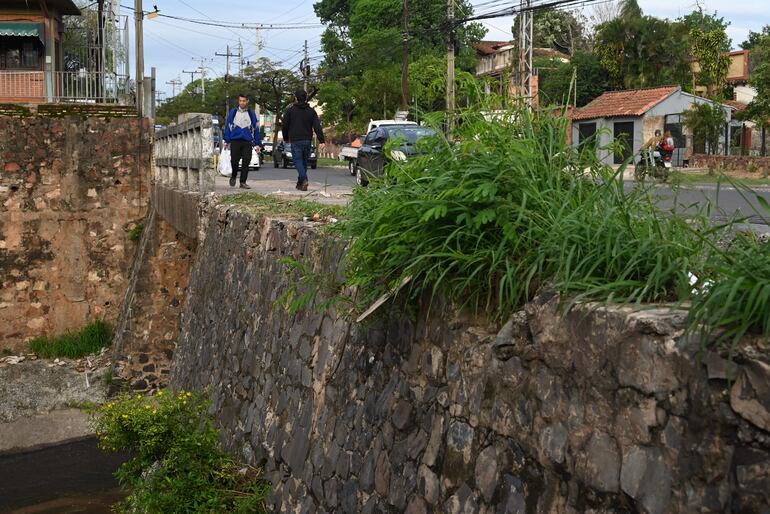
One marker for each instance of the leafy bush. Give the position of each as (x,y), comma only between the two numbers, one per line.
(511,209)
(73,345)
(707,122)
(179,465)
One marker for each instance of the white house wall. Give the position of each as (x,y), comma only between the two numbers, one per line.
(605,127)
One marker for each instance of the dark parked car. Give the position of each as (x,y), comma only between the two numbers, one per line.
(371,158)
(282,157)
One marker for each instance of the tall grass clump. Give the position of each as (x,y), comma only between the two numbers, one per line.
(508,208)
(736,299)
(74,344)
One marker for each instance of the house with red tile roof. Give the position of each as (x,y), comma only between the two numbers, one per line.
(632,117)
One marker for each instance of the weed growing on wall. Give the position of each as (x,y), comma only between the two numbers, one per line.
(135,233)
(307,287)
(73,345)
(178,464)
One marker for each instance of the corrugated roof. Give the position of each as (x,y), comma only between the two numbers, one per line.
(735,104)
(490,47)
(630,102)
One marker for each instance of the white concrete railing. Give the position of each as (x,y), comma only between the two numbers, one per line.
(184,154)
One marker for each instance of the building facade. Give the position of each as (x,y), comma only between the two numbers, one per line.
(631,117)
(41,61)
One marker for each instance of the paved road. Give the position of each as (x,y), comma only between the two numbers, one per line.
(326,184)
(334,185)
(726,202)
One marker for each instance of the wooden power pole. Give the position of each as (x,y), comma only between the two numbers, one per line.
(138,15)
(450,65)
(405,61)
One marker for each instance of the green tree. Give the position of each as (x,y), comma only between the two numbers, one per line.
(555,79)
(561,30)
(759,78)
(755,38)
(713,64)
(361,71)
(643,51)
(707,23)
(271,87)
(706,122)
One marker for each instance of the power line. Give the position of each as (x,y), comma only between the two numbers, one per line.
(235,25)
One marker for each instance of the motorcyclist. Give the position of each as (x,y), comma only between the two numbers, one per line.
(651,148)
(666,146)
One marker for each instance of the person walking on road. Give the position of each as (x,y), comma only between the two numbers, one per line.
(299,123)
(241,135)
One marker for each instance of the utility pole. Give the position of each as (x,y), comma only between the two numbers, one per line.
(240,59)
(203,79)
(525,51)
(450,65)
(227,55)
(138,14)
(159,96)
(174,83)
(257,46)
(100,47)
(305,68)
(191,73)
(405,61)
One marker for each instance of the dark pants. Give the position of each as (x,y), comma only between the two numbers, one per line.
(240,150)
(300,154)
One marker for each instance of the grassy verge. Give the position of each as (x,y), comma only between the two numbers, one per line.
(331,163)
(692,179)
(73,345)
(259,205)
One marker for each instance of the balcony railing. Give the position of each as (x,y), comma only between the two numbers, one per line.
(64,87)
(22,86)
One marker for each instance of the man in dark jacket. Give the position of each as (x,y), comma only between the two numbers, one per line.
(241,135)
(299,123)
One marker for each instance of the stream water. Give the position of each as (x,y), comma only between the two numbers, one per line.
(69,478)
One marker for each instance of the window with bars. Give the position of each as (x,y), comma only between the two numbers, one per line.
(20,53)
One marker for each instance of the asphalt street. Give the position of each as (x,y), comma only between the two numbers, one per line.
(326,184)
(335,184)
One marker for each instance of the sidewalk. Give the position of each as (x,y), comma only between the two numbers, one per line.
(332,186)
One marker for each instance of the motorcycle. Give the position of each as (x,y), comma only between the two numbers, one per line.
(654,163)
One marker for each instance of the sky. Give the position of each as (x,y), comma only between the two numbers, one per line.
(173,46)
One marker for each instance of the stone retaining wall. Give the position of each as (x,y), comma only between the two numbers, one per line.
(594,411)
(70,189)
(731,162)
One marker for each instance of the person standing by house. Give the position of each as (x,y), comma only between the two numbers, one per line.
(299,123)
(241,135)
